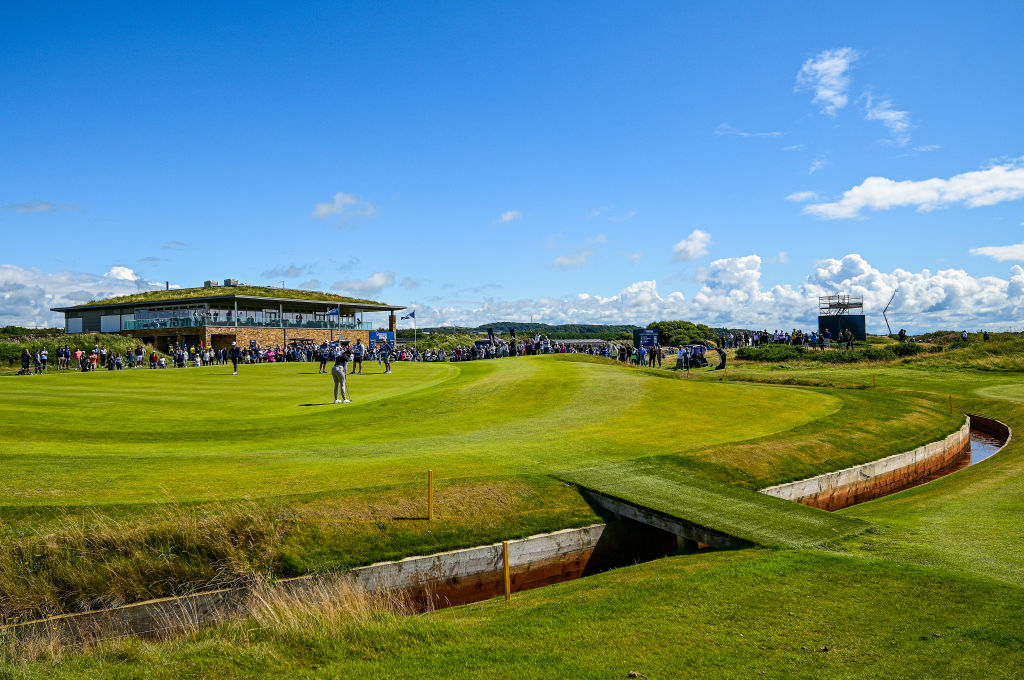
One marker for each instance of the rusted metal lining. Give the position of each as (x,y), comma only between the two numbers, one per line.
(861,483)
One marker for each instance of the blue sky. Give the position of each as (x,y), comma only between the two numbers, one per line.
(564,162)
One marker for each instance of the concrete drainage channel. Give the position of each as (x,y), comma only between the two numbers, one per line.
(978,438)
(434,581)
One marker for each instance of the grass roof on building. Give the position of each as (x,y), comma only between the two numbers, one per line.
(259,291)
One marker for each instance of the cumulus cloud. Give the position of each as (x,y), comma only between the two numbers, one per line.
(605,211)
(289,272)
(974,189)
(511,216)
(693,246)
(724,129)
(732,294)
(371,285)
(802,196)
(895,121)
(345,205)
(827,75)
(29,207)
(576,259)
(26,295)
(1002,253)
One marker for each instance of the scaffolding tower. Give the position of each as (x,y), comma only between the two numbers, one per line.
(839,305)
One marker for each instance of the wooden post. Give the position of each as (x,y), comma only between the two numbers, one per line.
(508,581)
(430,495)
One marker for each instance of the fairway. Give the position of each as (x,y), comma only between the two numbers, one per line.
(203,434)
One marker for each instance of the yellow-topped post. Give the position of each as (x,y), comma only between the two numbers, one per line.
(508,580)
(430,495)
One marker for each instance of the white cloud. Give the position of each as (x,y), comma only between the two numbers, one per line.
(26,295)
(732,295)
(724,129)
(411,284)
(827,76)
(624,217)
(633,257)
(341,205)
(802,196)
(605,210)
(927,147)
(173,245)
(576,259)
(974,189)
(371,285)
(600,238)
(817,164)
(895,121)
(1002,253)
(311,284)
(693,246)
(290,272)
(38,207)
(511,215)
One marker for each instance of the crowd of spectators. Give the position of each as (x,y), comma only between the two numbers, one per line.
(796,337)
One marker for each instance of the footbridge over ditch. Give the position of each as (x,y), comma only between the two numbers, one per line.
(702,510)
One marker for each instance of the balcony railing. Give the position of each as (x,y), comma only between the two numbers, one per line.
(245,322)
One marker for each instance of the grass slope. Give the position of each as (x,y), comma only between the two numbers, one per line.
(934,590)
(187,435)
(749,515)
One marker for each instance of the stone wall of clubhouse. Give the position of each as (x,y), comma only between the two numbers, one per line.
(222,336)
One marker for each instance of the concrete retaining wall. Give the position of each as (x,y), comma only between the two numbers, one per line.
(840,489)
(443,579)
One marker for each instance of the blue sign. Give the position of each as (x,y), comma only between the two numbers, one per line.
(646,337)
(382,337)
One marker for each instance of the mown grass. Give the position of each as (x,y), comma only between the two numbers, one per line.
(730,509)
(945,558)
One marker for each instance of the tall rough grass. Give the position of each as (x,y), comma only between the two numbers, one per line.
(98,561)
(309,614)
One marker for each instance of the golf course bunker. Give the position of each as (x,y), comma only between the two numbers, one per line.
(435,581)
(977,439)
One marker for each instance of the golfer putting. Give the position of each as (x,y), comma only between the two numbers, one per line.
(342,356)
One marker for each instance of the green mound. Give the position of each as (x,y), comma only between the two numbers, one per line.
(748,515)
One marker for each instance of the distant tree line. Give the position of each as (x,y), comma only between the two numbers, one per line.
(559,331)
(675,333)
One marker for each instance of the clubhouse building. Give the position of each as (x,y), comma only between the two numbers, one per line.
(217,315)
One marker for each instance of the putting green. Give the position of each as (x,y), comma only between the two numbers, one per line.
(203,434)
(1006,392)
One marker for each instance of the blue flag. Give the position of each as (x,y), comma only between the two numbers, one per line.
(410,315)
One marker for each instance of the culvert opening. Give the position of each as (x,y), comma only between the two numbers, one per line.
(455,579)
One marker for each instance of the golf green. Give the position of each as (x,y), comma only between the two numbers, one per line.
(204,434)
